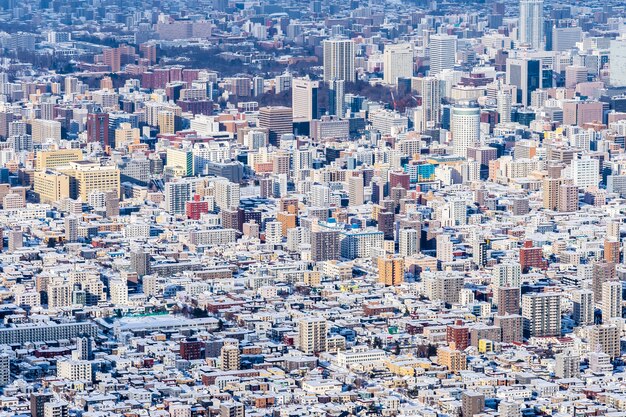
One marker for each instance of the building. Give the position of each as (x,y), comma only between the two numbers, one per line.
(465,128)
(98,129)
(525,74)
(611,300)
(230,358)
(304,99)
(583,310)
(177,194)
(312,335)
(55,409)
(397,62)
(339,56)
(567,365)
(605,339)
(54,158)
(391,271)
(617,58)
(442,53)
(92,177)
(542,314)
(278,121)
(531,23)
(454,360)
(472,403)
(325,245)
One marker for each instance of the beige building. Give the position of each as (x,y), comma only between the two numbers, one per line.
(230,358)
(452,359)
(90,176)
(51,186)
(312,335)
(52,159)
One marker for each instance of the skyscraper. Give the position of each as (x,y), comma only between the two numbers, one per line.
(504,101)
(304,99)
(442,53)
(531,23)
(526,75)
(98,128)
(339,60)
(465,128)
(430,113)
(336,97)
(397,62)
(277,120)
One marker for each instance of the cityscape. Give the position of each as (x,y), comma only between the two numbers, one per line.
(279,208)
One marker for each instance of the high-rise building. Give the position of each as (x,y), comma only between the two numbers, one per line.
(531,23)
(16,240)
(98,128)
(304,99)
(525,74)
(312,335)
(583,307)
(542,314)
(465,128)
(339,59)
(397,62)
(325,245)
(356,190)
(444,248)
(504,102)
(430,110)
(472,403)
(71,228)
(277,120)
(92,177)
(567,365)
(442,53)
(617,60)
(611,300)
(602,272)
(177,193)
(391,271)
(84,349)
(507,299)
(408,242)
(606,339)
(37,401)
(336,97)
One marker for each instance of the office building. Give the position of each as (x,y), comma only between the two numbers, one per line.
(278,121)
(397,62)
(304,99)
(442,53)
